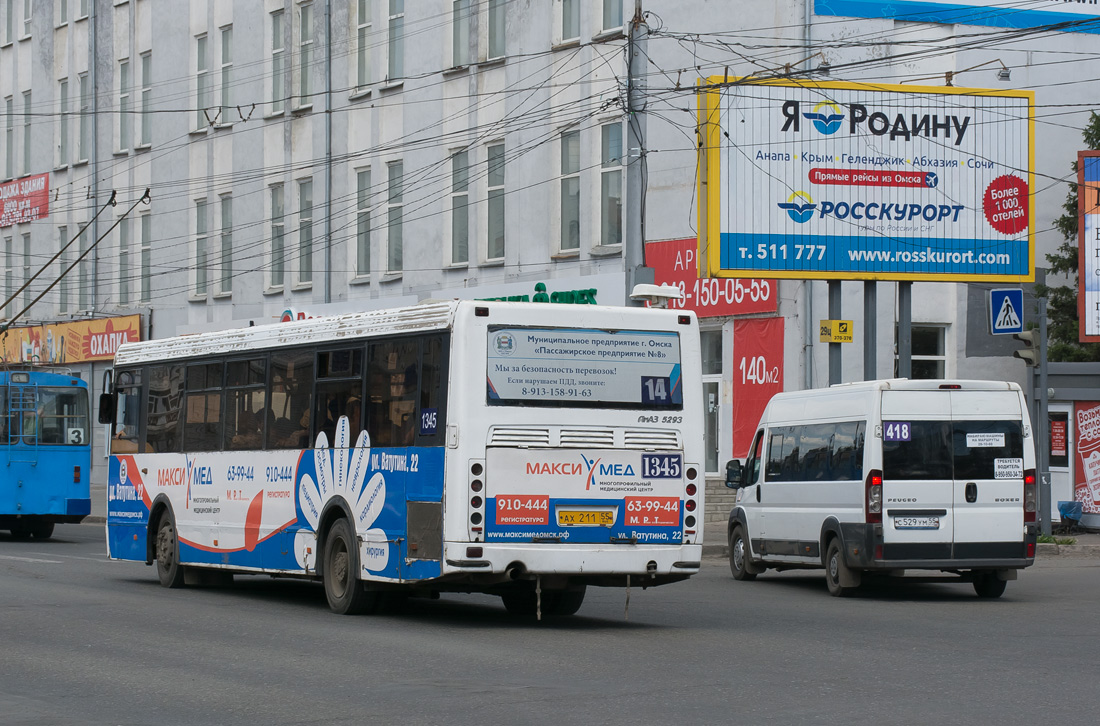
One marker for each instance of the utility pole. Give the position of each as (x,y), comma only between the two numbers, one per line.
(634,230)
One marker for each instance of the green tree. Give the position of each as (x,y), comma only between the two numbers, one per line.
(1062,321)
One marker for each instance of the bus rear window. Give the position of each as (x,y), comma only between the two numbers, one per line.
(584,368)
(950,450)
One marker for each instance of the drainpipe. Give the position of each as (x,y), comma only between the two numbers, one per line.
(93,71)
(328,151)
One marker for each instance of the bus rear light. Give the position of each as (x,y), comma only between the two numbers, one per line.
(950,386)
(476,502)
(691,489)
(480,312)
(474,552)
(1031,498)
(476,485)
(874,497)
(476,469)
(690,505)
(76,475)
(683,319)
(692,472)
(476,517)
(689,521)
(476,529)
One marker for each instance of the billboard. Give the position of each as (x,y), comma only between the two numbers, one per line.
(994,13)
(1088,249)
(25,200)
(866,182)
(675,262)
(757,375)
(81,341)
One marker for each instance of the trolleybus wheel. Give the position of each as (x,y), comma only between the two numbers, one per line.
(346,594)
(42,530)
(988,585)
(20,531)
(169,569)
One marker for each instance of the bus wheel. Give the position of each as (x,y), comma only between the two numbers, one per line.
(21,532)
(566,602)
(42,530)
(836,570)
(988,585)
(740,564)
(555,603)
(346,594)
(169,569)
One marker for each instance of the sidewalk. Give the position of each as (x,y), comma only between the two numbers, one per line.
(1086,545)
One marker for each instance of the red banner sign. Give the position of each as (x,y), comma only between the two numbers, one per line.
(757,375)
(675,263)
(25,200)
(1087,478)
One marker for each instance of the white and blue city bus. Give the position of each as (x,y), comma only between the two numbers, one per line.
(522,449)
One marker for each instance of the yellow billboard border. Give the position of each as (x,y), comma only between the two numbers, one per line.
(709,181)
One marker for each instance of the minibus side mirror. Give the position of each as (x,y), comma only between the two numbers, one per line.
(106,408)
(733,474)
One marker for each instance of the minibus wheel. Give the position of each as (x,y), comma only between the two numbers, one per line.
(836,570)
(988,585)
(740,560)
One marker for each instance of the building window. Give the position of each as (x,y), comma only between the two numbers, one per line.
(460,207)
(26,270)
(27,18)
(9,139)
(570,191)
(278,63)
(278,231)
(496,28)
(146,99)
(305,230)
(83,279)
(83,140)
(202,82)
(201,249)
(611,184)
(227,73)
(394,210)
(63,261)
(63,124)
(226,278)
(495,247)
(395,67)
(929,353)
(124,261)
(612,14)
(362,44)
(9,20)
(362,223)
(9,275)
(63,12)
(84,8)
(146,257)
(460,32)
(711,344)
(124,105)
(305,50)
(570,19)
(26,132)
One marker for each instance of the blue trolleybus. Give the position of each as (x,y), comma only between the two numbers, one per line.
(45,445)
(525,450)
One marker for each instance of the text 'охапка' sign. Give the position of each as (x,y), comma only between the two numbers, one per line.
(852,181)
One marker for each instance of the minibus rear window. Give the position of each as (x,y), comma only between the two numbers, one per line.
(980,444)
(951,450)
(924,452)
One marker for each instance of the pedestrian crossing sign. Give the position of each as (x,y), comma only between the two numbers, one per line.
(1006,310)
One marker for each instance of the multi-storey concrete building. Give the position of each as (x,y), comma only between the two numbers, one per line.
(328,155)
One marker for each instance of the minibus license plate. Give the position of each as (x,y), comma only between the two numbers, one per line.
(585,517)
(916,522)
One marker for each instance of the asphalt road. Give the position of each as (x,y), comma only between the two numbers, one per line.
(87,641)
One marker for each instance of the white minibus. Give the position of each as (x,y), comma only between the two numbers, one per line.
(888,476)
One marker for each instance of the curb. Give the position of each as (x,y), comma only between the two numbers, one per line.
(1087,551)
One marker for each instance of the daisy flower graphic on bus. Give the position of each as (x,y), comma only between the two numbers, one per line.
(339,471)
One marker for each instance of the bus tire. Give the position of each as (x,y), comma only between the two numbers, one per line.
(555,603)
(346,594)
(988,585)
(740,559)
(42,530)
(169,569)
(21,532)
(836,570)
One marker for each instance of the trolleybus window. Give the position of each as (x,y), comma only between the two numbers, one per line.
(291,393)
(246,411)
(162,422)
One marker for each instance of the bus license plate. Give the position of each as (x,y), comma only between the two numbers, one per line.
(916,522)
(585,518)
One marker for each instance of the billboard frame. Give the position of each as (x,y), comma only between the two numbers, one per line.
(709,92)
(1082,266)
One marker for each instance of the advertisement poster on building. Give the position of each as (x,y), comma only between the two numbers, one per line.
(676,262)
(1088,249)
(77,342)
(757,375)
(24,200)
(1087,478)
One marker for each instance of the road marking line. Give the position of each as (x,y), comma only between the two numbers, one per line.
(30,559)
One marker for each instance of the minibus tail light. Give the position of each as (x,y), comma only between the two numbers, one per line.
(874,497)
(1030,496)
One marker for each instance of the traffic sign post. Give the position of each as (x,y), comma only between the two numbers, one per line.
(1006,311)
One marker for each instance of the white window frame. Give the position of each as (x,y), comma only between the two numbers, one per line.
(395,41)
(305,54)
(9,137)
(28,15)
(611,167)
(363,29)
(63,287)
(27,292)
(946,357)
(569,10)
(145,136)
(458,208)
(9,276)
(461,14)
(496,23)
(395,221)
(225,34)
(125,81)
(84,141)
(84,281)
(276,195)
(146,227)
(495,196)
(570,176)
(611,11)
(362,250)
(305,231)
(278,61)
(27,111)
(62,12)
(202,81)
(63,123)
(225,263)
(124,242)
(201,276)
